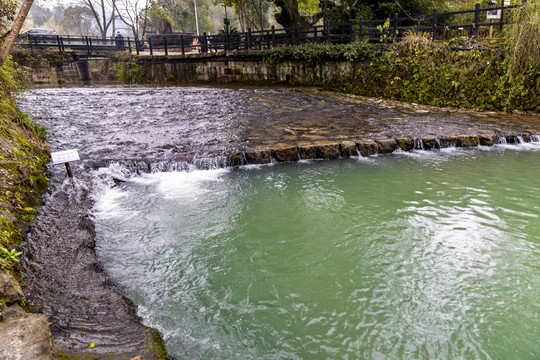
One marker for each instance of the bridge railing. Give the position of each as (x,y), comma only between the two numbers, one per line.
(470,23)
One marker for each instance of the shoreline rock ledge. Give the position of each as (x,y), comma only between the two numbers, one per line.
(23,336)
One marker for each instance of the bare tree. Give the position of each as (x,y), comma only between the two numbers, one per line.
(133,14)
(11,35)
(101,14)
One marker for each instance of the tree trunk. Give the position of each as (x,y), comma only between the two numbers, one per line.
(6,46)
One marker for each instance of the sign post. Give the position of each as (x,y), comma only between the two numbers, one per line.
(65,157)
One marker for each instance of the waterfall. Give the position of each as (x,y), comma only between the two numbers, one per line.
(418,144)
(501,140)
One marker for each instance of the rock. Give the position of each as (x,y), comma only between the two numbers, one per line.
(387,146)
(307,150)
(27,337)
(236,159)
(260,155)
(468,141)
(10,290)
(327,149)
(448,141)
(430,143)
(284,152)
(348,149)
(11,312)
(367,147)
(487,139)
(406,144)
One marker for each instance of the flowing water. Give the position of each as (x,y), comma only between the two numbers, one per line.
(411,255)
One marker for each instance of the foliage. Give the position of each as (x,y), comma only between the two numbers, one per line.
(182,15)
(9,259)
(313,53)
(128,71)
(522,43)
(22,159)
(80,18)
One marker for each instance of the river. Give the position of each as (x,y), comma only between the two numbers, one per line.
(422,254)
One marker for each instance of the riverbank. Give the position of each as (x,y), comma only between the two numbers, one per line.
(24,177)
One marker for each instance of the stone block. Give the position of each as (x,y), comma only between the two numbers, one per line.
(387,146)
(430,143)
(348,149)
(487,139)
(307,150)
(284,152)
(367,147)
(406,144)
(466,141)
(327,149)
(260,155)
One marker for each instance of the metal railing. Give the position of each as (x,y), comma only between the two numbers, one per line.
(470,23)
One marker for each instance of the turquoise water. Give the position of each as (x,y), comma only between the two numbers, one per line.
(427,255)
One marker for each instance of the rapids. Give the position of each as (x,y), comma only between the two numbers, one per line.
(129,139)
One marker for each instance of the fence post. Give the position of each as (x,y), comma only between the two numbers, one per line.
(182,43)
(447,29)
(165,45)
(248,39)
(273,36)
(395,27)
(150,46)
(205,41)
(418,27)
(328,35)
(476,19)
(227,38)
(434,24)
(58,43)
(361,28)
(129,44)
(298,34)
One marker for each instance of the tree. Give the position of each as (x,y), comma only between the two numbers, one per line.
(10,35)
(79,18)
(133,13)
(101,13)
(290,16)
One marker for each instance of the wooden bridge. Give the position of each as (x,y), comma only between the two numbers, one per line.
(475,23)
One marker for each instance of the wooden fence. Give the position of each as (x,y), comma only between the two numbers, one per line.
(470,23)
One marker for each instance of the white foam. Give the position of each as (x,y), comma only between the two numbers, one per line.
(181,184)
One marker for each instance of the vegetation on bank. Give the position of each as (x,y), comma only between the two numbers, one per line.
(23,176)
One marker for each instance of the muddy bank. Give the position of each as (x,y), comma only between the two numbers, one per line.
(122,131)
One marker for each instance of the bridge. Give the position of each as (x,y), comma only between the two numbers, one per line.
(471,23)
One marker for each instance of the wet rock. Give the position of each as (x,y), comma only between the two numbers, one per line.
(430,143)
(348,149)
(367,147)
(258,156)
(10,291)
(526,137)
(307,150)
(11,312)
(468,141)
(448,141)
(327,149)
(284,152)
(27,337)
(487,139)
(406,144)
(387,146)
(236,159)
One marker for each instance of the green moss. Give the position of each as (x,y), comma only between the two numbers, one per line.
(157,345)
(23,156)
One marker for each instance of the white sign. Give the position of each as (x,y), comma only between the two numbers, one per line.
(493,14)
(61,157)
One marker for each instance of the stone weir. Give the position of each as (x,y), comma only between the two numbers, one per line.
(326,149)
